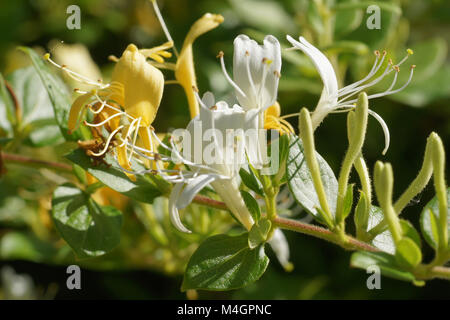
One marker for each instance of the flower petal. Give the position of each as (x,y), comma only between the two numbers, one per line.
(322,64)
(173,210)
(184,70)
(280,246)
(256,70)
(192,188)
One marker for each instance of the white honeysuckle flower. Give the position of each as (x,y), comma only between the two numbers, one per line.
(334,99)
(280,247)
(256,72)
(222,170)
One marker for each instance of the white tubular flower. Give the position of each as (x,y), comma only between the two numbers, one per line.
(256,72)
(280,247)
(214,161)
(334,99)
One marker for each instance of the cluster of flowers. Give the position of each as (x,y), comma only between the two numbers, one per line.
(124,109)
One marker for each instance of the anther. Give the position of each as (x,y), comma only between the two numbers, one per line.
(384,52)
(195,88)
(396,68)
(410,51)
(377,53)
(113,58)
(413,66)
(46,56)
(277,74)
(247,53)
(220,55)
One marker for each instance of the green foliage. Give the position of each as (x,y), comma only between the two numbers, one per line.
(386,262)
(143,189)
(301,184)
(259,232)
(429,221)
(90,229)
(224,262)
(252,205)
(57,93)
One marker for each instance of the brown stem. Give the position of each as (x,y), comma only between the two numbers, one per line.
(322,233)
(210,202)
(15,158)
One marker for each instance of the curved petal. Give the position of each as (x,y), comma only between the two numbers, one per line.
(280,246)
(192,188)
(323,66)
(256,70)
(173,210)
(184,70)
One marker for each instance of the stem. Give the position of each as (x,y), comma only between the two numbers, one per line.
(321,233)
(210,202)
(15,158)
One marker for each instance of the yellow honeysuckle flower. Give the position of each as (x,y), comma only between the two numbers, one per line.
(184,67)
(127,106)
(184,72)
(272,120)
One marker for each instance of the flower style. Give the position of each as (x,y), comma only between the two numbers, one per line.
(334,99)
(127,105)
(222,171)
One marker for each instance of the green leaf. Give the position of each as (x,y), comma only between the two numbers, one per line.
(252,205)
(431,77)
(386,262)
(25,246)
(37,120)
(57,92)
(301,183)
(224,262)
(259,232)
(90,229)
(143,189)
(7,117)
(384,5)
(348,201)
(347,20)
(251,182)
(410,232)
(264,15)
(408,254)
(384,240)
(429,221)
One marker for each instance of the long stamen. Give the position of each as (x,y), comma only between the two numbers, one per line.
(163,25)
(129,131)
(387,93)
(104,121)
(266,62)
(356,90)
(134,138)
(233,84)
(372,72)
(385,128)
(200,101)
(74,75)
(249,74)
(108,141)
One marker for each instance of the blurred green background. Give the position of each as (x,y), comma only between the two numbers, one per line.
(321,269)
